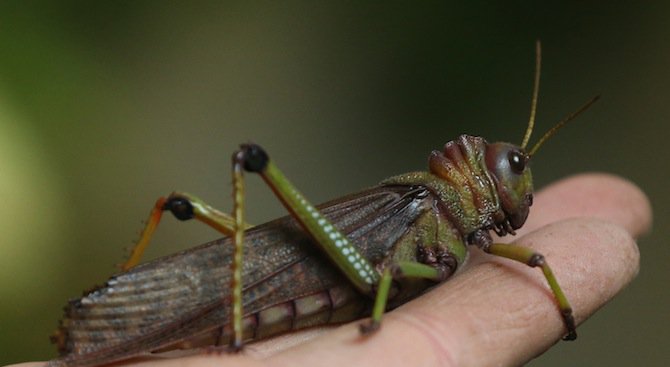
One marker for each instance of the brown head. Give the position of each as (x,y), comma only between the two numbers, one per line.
(508,166)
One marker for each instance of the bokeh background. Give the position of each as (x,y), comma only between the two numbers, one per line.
(106,106)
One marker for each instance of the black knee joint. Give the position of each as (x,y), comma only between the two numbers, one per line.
(255,158)
(181,208)
(536,260)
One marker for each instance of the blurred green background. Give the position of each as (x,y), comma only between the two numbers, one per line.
(106,106)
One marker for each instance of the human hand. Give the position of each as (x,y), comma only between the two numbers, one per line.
(494,311)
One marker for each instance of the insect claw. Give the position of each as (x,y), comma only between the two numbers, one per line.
(570,324)
(572,335)
(234,347)
(369,327)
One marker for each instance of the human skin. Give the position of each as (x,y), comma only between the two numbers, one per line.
(493,312)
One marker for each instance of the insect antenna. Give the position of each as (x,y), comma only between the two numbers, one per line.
(562,123)
(536,91)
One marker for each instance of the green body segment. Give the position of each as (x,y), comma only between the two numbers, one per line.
(238,242)
(326,236)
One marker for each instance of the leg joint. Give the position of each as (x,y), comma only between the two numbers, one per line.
(252,157)
(536,260)
(180,207)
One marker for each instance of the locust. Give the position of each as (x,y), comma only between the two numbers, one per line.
(349,258)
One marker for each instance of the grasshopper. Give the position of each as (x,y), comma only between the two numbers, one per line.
(356,256)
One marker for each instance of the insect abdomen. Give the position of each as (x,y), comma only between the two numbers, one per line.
(334,306)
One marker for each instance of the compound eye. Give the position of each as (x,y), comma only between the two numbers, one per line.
(517,161)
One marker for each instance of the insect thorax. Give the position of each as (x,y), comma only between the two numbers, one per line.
(459,178)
